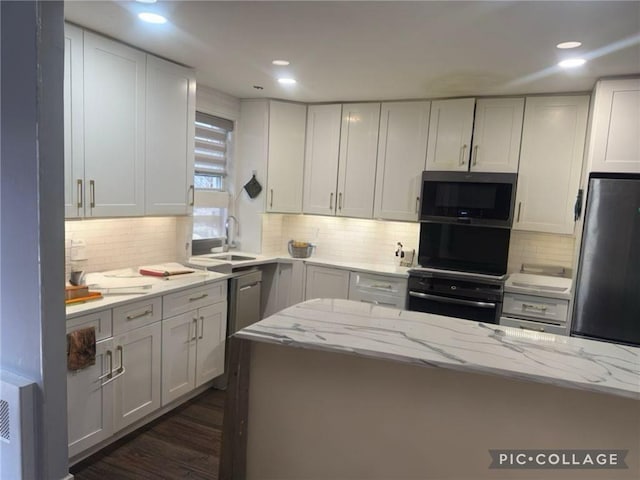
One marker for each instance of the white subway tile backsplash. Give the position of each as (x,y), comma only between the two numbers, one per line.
(374,241)
(123,242)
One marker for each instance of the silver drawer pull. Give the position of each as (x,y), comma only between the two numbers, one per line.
(109,355)
(200,297)
(140,315)
(382,286)
(539,308)
(376,302)
(539,329)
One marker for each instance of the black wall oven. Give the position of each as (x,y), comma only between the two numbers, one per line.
(468,198)
(462,271)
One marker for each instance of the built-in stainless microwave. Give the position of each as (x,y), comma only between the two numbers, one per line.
(468,198)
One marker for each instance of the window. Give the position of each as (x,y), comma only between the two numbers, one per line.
(212,141)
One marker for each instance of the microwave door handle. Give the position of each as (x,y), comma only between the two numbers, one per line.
(455,301)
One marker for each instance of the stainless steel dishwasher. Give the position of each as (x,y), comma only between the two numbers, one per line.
(244,300)
(244,310)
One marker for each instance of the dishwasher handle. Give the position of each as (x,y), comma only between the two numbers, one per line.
(247,287)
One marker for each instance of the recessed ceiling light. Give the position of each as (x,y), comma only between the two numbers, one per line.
(146,1)
(152,18)
(572,62)
(281,63)
(565,45)
(287,81)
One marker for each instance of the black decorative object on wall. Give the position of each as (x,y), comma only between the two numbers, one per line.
(253,187)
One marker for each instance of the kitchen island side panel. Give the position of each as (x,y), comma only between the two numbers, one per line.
(318,415)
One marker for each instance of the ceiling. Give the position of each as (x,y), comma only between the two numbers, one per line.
(380,50)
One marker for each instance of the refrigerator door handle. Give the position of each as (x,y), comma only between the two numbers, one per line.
(577,207)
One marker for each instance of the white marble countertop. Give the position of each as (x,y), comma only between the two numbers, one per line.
(435,341)
(160,286)
(133,282)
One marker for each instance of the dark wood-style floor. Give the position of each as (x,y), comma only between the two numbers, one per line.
(184,443)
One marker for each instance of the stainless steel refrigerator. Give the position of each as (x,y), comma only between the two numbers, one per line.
(607,304)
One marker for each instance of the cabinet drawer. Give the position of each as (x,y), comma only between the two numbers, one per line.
(185,300)
(377,284)
(534,326)
(138,314)
(539,308)
(100,320)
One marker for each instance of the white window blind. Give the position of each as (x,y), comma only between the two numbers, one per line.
(212,137)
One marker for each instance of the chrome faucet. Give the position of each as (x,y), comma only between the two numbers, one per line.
(237,232)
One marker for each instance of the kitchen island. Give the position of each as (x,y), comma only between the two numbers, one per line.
(339,389)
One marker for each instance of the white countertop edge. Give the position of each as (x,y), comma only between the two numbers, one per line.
(359,352)
(344,326)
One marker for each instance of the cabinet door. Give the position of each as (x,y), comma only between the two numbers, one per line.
(450,128)
(323,282)
(550,163)
(321,159)
(179,336)
(114,119)
(615,141)
(212,332)
(137,359)
(402,148)
(73,123)
(170,132)
(286,157)
(358,154)
(90,402)
(496,135)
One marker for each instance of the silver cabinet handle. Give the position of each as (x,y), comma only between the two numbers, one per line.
(417,204)
(192,190)
(109,355)
(199,297)
(194,322)
(271,203)
(475,155)
(331,201)
(539,308)
(539,329)
(201,327)
(376,302)
(519,207)
(340,201)
(455,301)
(120,349)
(80,194)
(382,286)
(92,193)
(140,315)
(462,150)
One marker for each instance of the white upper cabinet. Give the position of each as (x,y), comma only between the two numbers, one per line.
(550,163)
(73,123)
(286,157)
(114,126)
(357,164)
(450,129)
(614,144)
(170,114)
(402,149)
(496,135)
(321,159)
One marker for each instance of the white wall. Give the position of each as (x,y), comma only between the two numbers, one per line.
(32,315)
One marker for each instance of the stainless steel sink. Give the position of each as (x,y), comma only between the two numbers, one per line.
(232,258)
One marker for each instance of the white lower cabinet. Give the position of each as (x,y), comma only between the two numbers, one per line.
(90,402)
(137,361)
(325,282)
(193,342)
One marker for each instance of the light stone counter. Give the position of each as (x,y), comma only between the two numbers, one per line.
(431,340)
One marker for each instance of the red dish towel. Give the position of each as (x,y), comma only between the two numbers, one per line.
(81,348)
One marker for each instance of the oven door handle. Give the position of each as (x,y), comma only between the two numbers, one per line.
(455,301)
